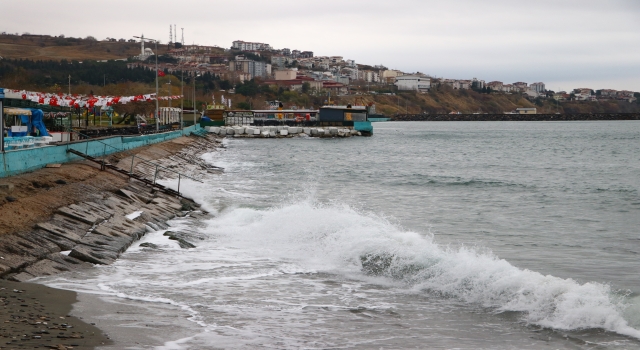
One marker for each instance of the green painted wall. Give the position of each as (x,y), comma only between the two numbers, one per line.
(20,161)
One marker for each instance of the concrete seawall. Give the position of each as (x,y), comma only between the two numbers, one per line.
(517,117)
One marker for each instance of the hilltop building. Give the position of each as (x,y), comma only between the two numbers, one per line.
(413,82)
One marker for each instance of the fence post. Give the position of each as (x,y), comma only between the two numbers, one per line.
(86,151)
(104,154)
(179,183)
(132,158)
(155,175)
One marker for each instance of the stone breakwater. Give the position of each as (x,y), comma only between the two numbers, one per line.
(517,117)
(281,131)
(98,231)
(87,233)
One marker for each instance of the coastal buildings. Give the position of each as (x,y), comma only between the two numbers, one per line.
(413,82)
(250,46)
(342,75)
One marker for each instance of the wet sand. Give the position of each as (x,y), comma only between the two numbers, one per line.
(34,316)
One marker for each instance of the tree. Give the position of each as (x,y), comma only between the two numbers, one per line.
(90,38)
(306,87)
(225,85)
(243,105)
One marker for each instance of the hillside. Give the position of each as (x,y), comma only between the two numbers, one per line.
(38,47)
(44,63)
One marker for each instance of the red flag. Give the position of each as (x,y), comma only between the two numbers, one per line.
(160,73)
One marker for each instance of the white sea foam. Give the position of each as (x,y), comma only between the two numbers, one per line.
(335,238)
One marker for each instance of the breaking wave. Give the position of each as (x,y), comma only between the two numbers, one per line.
(338,239)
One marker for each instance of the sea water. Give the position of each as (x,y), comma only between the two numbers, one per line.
(466,235)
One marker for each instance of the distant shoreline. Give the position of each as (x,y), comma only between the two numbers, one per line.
(517,117)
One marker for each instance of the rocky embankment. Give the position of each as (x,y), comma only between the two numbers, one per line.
(97,231)
(516,117)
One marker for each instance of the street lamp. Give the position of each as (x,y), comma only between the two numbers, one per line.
(156,54)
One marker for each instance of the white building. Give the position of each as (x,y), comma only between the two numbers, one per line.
(250,46)
(538,87)
(413,82)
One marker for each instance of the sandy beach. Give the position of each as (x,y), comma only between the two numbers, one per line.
(35,316)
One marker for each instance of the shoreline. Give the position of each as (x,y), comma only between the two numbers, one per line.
(72,217)
(515,117)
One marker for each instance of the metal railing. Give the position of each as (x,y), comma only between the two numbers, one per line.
(133,157)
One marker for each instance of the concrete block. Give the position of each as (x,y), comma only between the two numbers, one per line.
(256,132)
(166,203)
(102,209)
(93,255)
(306,131)
(16,261)
(121,224)
(15,244)
(230,131)
(313,131)
(116,244)
(21,277)
(284,132)
(70,262)
(61,242)
(46,267)
(272,134)
(64,229)
(80,215)
(265,134)
(131,195)
(41,242)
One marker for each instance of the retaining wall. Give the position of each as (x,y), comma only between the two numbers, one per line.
(20,161)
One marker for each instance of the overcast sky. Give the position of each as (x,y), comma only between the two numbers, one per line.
(566,44)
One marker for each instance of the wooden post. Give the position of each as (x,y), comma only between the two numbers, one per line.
(132,158)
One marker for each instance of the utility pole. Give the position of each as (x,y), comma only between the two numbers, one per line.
(69,84)
(182,99)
